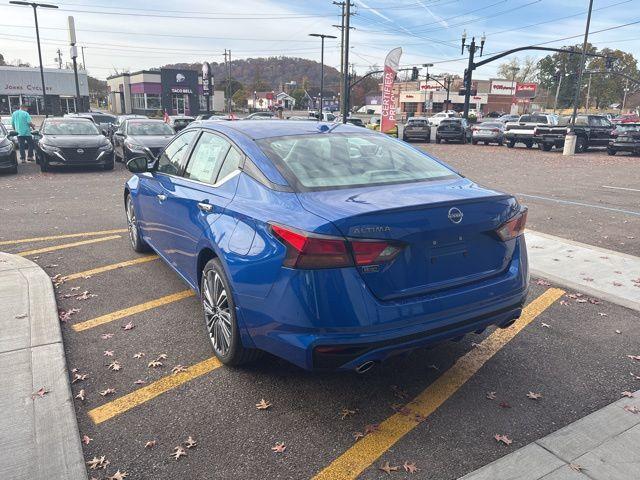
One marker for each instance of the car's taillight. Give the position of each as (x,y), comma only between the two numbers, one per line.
(311,250)
(513,227)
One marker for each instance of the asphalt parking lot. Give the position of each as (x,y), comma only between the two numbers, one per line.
(434,408)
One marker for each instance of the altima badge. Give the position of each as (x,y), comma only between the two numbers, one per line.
(455,215)
(80,150)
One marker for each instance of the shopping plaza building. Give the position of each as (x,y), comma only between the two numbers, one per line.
(20,85)
(147,92)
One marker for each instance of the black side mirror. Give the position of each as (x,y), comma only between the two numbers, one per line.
(104,132)
(12,133)
(140,164)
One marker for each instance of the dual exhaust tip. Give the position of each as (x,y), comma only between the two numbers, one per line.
(365,367)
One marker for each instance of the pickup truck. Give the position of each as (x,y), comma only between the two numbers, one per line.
(590,130)
(523,130)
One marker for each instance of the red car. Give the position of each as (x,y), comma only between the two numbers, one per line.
(627,118)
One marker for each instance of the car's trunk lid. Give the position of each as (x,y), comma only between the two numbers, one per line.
(438,253)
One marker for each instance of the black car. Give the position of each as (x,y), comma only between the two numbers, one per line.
(137,137)
(73,142)
(590,130)
(625,138)
(453,130)
(104,121)
(417,129)
(356,121)
(120,119)
(8,155)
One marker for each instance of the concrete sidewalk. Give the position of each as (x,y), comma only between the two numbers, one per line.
(605,274)
(602,446)
(39,436)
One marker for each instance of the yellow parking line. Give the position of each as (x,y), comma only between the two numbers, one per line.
(367,450)
(59,237)
(146,393)
(66,245)
(113,266)
(126,312)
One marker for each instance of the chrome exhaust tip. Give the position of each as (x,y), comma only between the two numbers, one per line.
(365,367)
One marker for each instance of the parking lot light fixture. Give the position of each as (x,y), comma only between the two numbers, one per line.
(322,37)
(35,16)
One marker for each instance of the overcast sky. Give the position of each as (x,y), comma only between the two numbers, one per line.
(140,34)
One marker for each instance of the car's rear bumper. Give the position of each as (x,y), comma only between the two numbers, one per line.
(452,135)
(8,160)
(330,319)
(625,146)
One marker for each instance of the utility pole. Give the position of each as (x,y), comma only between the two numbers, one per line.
(342,69)
(59,60)
(345,57)
(588,95)
(229,81)
(84,65)
(624,98)
(555,101)
(74,55)
(322,37)
(468,74)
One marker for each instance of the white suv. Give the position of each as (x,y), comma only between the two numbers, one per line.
(438,117)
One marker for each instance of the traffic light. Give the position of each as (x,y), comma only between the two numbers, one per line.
(414,73)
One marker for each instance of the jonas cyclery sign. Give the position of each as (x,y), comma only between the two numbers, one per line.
(26,81)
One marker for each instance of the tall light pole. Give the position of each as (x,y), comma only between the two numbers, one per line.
(514,72)
(322,37)
(426,80)
(35,16)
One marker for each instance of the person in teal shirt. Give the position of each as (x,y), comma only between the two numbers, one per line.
(22,124)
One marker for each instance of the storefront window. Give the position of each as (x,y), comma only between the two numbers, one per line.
(153,102)
(137,100)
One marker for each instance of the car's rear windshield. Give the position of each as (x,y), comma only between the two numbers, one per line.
(451,121)
(418,123)
(337,160)
(149,128)
(103,118)
(70,127)
(491,125)
(533,119)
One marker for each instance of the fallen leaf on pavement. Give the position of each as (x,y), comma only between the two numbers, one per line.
(545,325)
(491,395)
(634,357)
(388,468)
(118,476)
(115,366)
(108,353)
(398,392)
(618,332)
(575,467)
(346,413)
(65,315)
(178,369)
(504,405)
(139,382)
(179,452)
(263,404)
(503,438)
(77,377)
(22,315)
(628,394)
(410,467)
(85,295)
(543,282)
(162,356)
(108,391)
(86,439)
(631,409)
(190,443)
(80,395)
(617,284)
(371,428)
(98,463)
(279,447)
(358,435)
(564,302)
(40,393)
(637,377)
(139,355)
(129,326)
(155,364)
(106,336)
(602,314)
(534,396)
(150,444)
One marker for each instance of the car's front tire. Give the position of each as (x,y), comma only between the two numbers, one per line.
(511,143)
(110,163)
(220,316)
(611,151)
(137,243)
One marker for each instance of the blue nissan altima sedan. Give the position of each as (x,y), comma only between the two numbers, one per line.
(328,245)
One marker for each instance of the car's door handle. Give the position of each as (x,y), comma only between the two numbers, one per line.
(161,197)
(205,207)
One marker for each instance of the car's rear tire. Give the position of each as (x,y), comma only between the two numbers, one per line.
(611,151)
(545,147)
(474,142)
(529,144)
(137,243)
(581,145)
(219,311)
(511,143)
(44,166)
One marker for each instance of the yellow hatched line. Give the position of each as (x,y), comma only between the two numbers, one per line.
(148,392)
(367,450)
(66,245)
(60,237)
(127,312)
(113,266)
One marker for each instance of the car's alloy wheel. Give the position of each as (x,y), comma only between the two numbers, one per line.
(137,243)
(217,313)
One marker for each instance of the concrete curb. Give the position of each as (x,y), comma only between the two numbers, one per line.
(40,437)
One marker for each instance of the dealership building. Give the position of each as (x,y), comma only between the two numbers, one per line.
(20,85)
(175,91)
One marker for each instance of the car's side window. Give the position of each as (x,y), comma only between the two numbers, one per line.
(231,163)
(173,155)
(206,158)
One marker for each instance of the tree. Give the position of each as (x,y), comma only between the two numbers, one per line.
(298,94)
(607,89)
(240,97)
(525,70)
(2,62)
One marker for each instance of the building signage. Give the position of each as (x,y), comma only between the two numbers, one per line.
(188,91)
(526,90)
(431,86)
(391,64)
(206,79)
(501,87)
(26,81)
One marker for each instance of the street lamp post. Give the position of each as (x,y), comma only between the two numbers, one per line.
(322,37)
(468,74)
(426,79)
(35,16)
(514,72)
